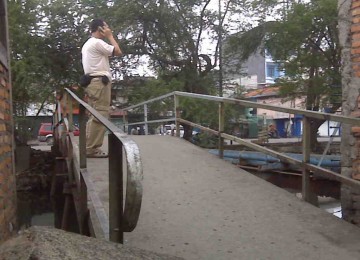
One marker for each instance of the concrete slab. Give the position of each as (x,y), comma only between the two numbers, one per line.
(197,206)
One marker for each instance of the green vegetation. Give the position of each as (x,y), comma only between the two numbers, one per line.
(304,39)
(169,37)
(45,39)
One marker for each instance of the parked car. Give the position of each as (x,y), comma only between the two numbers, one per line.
(167,130)
(45,133)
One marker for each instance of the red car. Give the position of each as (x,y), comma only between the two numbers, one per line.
(45,133)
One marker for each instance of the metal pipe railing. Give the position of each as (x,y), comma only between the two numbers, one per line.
(307,115)
(124,210)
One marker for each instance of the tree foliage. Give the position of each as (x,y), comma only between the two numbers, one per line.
(304,40)
(170,34)
(45,38)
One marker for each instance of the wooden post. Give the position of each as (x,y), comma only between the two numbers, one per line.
(177,114)
(82,137)
(66,213)
(60,110)
(125,122)
(64,107)
(145,119)
(83,225)
(221,128)
(60,170)
(70,112)
(115,189)
(306,192)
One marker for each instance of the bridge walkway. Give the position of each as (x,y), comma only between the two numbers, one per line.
(197,206)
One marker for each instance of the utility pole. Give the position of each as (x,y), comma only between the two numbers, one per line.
(220,53)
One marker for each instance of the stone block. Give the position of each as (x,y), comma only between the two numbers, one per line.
(355,51)
(355,198)
(355,4)
(356,58)
(355,11)
(357,151)
(355,44)
(356,134)
(356,113)
(2,82)
(356,20)
(355,163)
(50,243)
(355,131)
(356,175)
(356,205)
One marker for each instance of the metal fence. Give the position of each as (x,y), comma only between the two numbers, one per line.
(123,210)
(307,168)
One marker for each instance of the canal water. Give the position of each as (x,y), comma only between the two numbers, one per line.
(35,207)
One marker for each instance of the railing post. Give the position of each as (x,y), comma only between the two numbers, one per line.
(55,121)
(69,105)
(115,189)
(125,122)
(61,113)
(83,206)
(58,112)
(146,119)
(82,137)
(177,114)
(307,194)
(221,129)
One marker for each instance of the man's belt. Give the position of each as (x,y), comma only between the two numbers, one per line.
(94,77)
(104,79)
(86,79)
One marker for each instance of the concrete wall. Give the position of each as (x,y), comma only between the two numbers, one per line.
(349,32)
(7,175)
(254,66)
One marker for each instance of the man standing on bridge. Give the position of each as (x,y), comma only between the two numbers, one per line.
(95,61)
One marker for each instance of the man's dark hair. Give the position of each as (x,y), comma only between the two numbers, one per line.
(95,24)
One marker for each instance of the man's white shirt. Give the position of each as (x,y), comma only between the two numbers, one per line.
(95,57)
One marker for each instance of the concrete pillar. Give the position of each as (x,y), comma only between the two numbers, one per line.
(349,34)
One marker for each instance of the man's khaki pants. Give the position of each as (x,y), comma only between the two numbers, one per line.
(99,97)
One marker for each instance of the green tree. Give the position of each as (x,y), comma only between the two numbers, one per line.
(170,35)
(45,40)
(24,64)
(305,41)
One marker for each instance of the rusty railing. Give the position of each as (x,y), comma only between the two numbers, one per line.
(124,156)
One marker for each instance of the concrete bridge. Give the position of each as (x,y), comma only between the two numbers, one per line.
(198,206)
(180,200)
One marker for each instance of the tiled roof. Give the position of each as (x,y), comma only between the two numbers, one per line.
(117,112)
(263,92)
